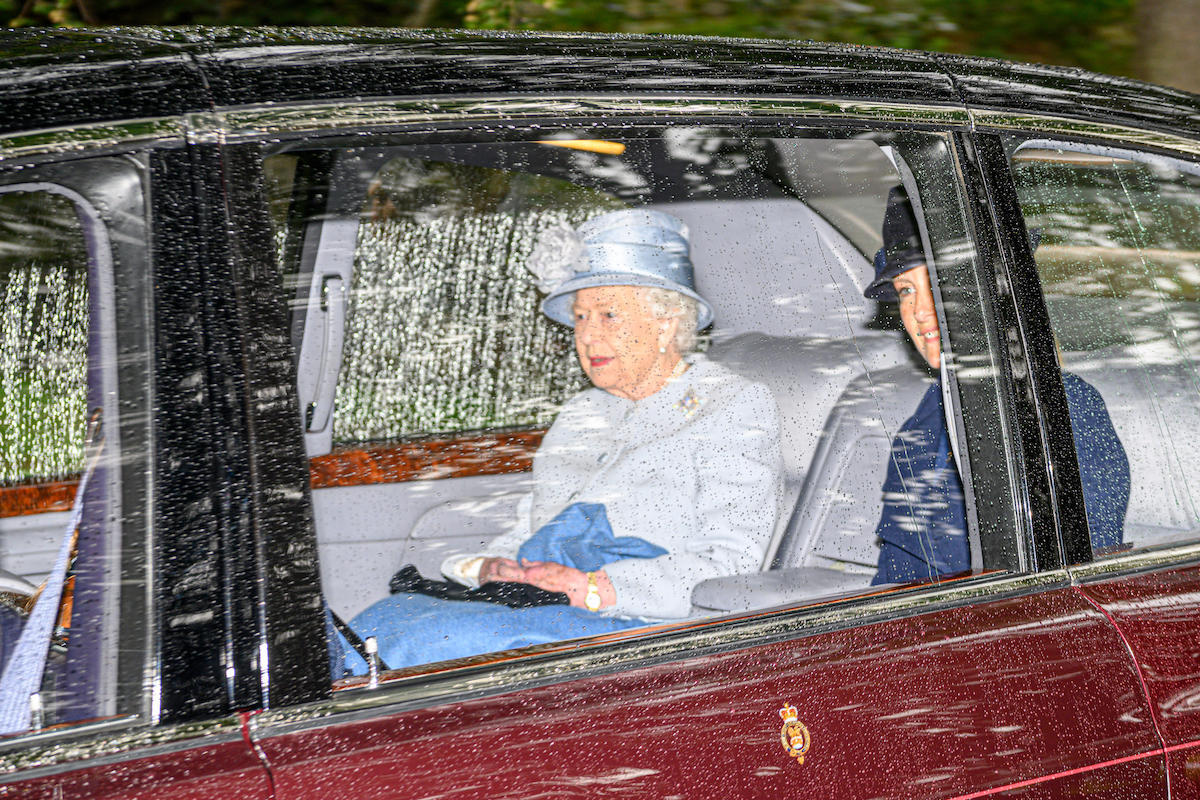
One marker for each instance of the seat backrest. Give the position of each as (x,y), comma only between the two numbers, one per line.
(775,266)
(834,520)
(833,524)
(1149,392)
(808,378)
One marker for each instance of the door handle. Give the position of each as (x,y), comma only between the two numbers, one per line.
(333,308)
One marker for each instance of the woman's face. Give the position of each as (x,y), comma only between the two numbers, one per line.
(918,314)
(618,340)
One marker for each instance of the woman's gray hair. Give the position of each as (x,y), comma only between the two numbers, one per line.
(668,304)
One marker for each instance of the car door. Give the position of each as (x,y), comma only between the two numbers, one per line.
(1117,227)
(110,267)
(77,250)
(1005,678)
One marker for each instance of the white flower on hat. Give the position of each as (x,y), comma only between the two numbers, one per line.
(556,257)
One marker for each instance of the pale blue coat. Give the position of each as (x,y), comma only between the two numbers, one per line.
(695,469)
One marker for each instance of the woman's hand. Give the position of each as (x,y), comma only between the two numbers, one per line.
(501,569)
(573,582)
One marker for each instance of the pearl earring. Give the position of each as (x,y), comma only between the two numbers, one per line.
(662,349)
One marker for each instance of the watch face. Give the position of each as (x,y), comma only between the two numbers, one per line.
(592,598)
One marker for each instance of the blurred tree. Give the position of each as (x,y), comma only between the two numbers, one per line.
(1104,35)
(1168,48)
(1096,34)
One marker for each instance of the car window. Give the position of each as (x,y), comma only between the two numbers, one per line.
(58,391)
(432,350)
(1117,239)
(44,333)
(454,413)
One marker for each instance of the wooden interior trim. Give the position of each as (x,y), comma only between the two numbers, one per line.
(430,459)
(38,498)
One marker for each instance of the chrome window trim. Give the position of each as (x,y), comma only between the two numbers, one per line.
(104,742)
(1136,561)
(543,665)
(1065,126)
(240,123)
(93,136)
(257,122)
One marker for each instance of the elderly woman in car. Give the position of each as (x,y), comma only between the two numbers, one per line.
(922,531)
(666,473)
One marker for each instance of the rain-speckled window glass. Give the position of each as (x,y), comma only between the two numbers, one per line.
(448,418)
(1117,236)
(64,580)
(443,330)
(279,176)
(43,337)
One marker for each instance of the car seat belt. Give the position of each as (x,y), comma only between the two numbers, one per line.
(951,419)
(20,684)
(354,640)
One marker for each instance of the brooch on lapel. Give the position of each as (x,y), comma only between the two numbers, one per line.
(689,404)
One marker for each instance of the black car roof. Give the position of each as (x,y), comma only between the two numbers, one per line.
(56,78)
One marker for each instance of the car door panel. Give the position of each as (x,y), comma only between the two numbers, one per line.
(1127,331)
(29,539)
(947,703)
(1158,615)
(225,769)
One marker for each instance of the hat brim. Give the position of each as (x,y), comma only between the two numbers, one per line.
(881,288)
(557,305)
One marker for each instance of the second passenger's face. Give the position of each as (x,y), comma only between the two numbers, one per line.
(918,314)
(618,340)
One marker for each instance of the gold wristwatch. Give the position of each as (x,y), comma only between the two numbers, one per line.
(592,600)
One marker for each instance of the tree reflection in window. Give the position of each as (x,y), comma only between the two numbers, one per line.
(43,337)
(444,332)
(1119,246)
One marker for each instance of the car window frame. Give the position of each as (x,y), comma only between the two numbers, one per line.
(110,188)
(1071,520)
(502,672)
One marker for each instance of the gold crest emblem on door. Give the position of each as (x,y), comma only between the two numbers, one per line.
(794,736)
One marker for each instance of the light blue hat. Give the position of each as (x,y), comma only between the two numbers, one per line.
(630,247)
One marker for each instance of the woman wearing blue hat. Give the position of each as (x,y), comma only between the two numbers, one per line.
(667,472)
(922,531)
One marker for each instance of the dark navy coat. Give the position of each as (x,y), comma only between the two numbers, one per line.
(922,529)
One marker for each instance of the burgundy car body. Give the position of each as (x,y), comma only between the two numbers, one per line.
(1055,674)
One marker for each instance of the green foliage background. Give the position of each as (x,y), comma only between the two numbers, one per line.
(1096,34)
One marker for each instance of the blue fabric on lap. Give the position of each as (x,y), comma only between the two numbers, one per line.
(580,536)
(415,629)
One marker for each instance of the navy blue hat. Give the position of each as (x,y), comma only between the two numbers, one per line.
(901,249)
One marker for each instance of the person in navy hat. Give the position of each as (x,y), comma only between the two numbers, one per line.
(665,473)
(922,531)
